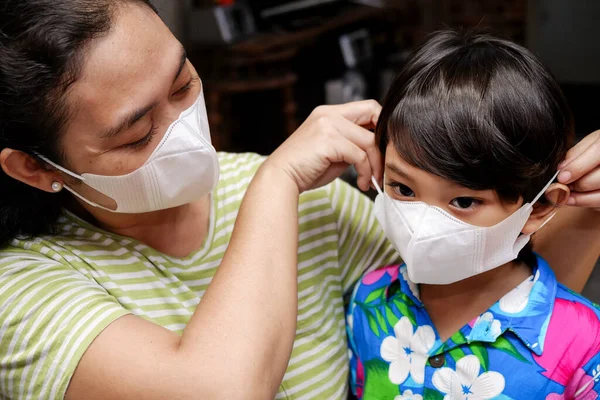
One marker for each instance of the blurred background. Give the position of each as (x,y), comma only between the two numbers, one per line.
(266,64)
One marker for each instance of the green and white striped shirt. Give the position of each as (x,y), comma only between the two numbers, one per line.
(57,293)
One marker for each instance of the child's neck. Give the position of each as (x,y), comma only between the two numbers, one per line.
(453,306)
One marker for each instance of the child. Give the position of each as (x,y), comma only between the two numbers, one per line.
(473,131)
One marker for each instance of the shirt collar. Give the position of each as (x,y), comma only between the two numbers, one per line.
(525,310)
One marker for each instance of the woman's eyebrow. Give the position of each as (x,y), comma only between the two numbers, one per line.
(138,114)
(127,122)
(182,62)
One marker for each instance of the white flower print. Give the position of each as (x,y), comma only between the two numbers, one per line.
(407,353)
(516,300)
(486,327)
(465,383)
(408,395)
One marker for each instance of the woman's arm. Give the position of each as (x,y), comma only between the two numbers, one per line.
(238,342)
(572,243)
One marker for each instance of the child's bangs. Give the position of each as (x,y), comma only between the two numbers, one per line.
(446,134)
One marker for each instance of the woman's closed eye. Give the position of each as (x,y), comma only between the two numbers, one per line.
(186,88)
(143,142)
(465,203)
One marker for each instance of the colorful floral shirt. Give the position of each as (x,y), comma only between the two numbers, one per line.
(539,341)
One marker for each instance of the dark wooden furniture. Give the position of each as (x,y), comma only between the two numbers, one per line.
(263,63)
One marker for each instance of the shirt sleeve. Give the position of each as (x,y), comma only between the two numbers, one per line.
(362,244)
(49,315)
(356,367)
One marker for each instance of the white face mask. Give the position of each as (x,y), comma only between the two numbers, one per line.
(183,168)
(440,249)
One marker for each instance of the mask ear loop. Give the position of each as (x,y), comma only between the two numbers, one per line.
(539,196)
(74,175)
(376,185)
(58,167)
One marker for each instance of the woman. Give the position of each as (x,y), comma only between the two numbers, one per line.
(114,221)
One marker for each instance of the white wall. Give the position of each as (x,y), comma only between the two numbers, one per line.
(565,34)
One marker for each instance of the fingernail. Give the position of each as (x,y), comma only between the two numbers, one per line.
(571,201)
(564,176)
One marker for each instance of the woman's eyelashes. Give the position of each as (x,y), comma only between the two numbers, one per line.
(145,141)
(186,88)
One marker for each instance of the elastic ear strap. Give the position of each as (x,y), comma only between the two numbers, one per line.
(546,221)
(91,203)
(376,185)
(540,194)
(66,171)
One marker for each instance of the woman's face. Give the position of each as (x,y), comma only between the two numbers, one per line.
(134,83)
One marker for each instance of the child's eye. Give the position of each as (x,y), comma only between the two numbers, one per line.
(465,203)
(403,190)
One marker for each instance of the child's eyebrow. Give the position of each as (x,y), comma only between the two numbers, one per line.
(397,170)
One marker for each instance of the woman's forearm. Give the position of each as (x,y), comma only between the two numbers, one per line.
(238,342)
(571,245)
(246,321)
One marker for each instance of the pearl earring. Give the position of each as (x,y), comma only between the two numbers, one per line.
(57,186)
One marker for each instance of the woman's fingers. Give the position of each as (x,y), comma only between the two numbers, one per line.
(364,113)
(350,153)
(590,182)
(586,161)
(366,141)
(586,199)
(331,138)
(580,147)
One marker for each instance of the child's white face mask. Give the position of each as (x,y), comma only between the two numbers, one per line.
(440,249)
(183,168)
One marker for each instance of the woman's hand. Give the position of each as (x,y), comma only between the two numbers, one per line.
(581,171)
(571,243)
(332,138)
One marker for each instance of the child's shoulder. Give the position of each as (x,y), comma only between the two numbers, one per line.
(572,338)
(573,320)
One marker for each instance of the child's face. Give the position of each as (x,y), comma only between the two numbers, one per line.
(476,207)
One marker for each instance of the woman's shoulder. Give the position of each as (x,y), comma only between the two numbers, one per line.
(233,165)
(238,169)
(72,238)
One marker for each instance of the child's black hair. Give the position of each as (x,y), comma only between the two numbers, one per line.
(478,111)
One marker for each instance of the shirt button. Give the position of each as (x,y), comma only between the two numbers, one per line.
(437,361)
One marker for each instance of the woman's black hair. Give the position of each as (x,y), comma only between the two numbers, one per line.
(481,112)
(41,51)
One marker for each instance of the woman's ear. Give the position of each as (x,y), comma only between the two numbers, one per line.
(557,195)
(27,169)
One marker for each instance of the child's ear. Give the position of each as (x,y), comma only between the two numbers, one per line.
(557,195)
